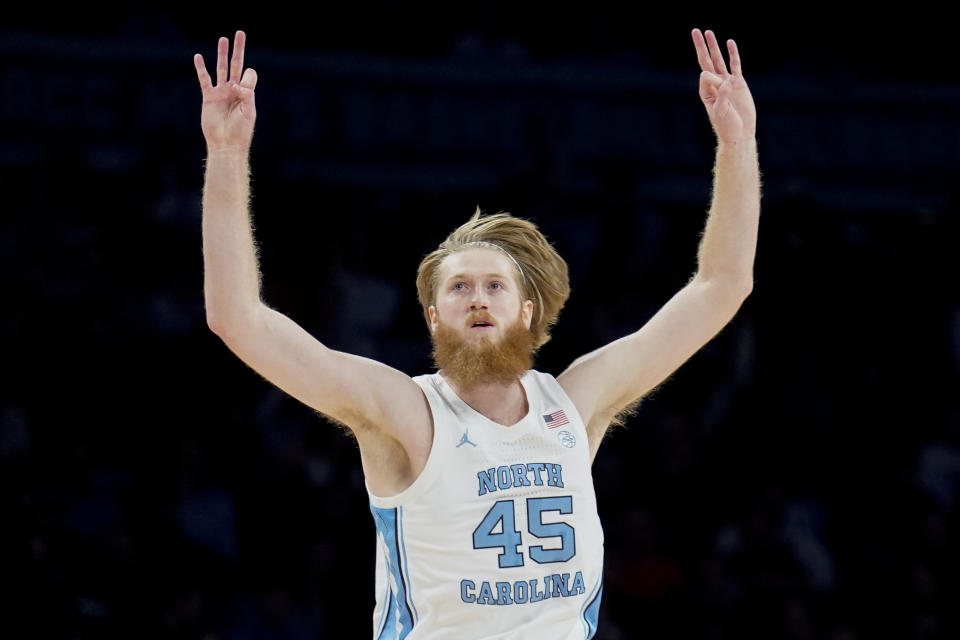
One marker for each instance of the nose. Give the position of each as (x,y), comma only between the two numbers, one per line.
(479,299)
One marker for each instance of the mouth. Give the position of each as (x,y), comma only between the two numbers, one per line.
(481,323)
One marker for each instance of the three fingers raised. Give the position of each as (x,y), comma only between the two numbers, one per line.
(711,58)
(233,72)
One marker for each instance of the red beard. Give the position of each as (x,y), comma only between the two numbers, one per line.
(467,364)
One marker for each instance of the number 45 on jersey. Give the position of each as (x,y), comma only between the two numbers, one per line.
(498,530)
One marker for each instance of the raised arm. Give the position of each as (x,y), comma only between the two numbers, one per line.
(604,382)
(384,407)
(231,283)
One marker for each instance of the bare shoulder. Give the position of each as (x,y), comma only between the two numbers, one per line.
(396,442)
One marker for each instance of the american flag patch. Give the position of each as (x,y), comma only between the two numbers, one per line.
(556,419)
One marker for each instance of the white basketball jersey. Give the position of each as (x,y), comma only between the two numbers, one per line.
(499,535)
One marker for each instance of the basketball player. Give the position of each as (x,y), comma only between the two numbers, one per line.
(479,475)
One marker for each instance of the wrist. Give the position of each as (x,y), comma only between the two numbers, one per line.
(228,150)
(736,146)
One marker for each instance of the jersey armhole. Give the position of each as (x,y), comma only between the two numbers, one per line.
(410,493)
(555,390)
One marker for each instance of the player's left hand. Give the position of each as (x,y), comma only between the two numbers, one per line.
(724,94)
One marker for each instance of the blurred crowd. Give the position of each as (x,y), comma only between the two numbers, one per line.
(798,478)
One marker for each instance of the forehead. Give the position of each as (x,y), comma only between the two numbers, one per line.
(477,261)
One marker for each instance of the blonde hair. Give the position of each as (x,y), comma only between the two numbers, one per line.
(543,273)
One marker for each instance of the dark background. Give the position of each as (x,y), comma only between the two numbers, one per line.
(797,478)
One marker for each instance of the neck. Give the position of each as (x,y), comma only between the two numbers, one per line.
(503,402)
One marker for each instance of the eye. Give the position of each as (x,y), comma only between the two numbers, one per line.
(496,285)
(460,286)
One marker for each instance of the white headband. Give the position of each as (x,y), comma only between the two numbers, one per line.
(485,243)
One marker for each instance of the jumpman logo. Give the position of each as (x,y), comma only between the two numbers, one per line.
(465,439)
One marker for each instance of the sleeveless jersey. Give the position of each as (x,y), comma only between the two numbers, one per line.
(498,537)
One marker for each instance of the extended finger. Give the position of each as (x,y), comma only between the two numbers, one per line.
(249,79)
(703,56)
(719,66)
(735,67)
(202,75)
(222,46)
(236,62)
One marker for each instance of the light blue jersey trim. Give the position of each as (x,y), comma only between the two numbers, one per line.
(591,610)
(406,566)
(387,611)
(400,614)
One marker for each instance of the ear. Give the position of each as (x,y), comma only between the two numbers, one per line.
(526,313)
(434,318)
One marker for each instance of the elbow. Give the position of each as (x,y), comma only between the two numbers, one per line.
(216,318)
(229,328)
(221,329)
(738,287)
(214,325)
(732,300)
(732,295)
(738,294)
(733,289)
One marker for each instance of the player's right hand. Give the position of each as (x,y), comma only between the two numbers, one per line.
(725,94)
(228,111)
